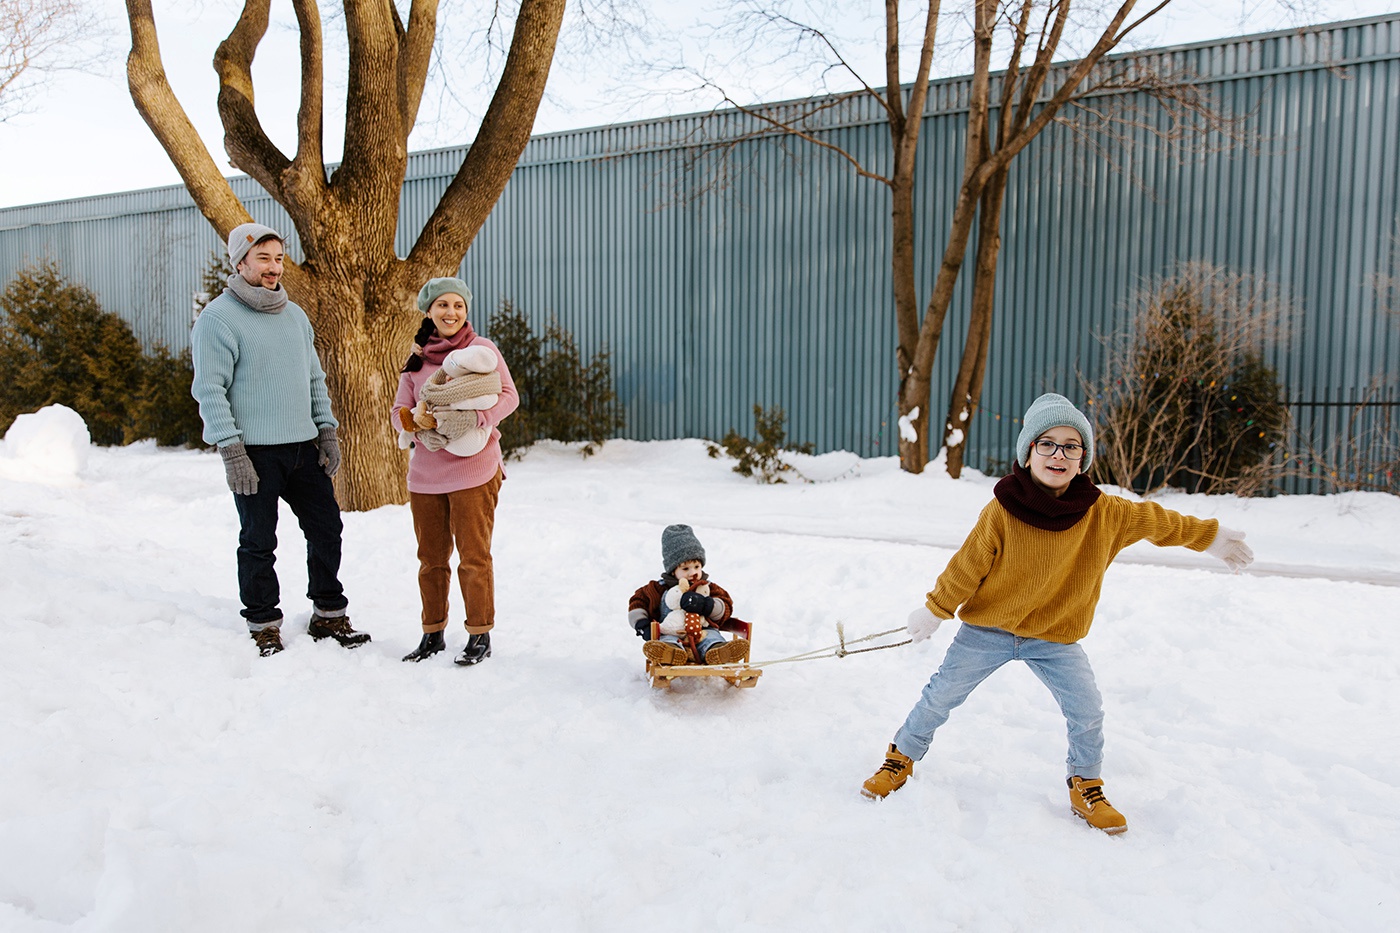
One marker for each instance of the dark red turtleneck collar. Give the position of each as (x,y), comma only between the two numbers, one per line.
(1020,495)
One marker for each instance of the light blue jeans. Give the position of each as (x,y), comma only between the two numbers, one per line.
(976,652)
(708,639)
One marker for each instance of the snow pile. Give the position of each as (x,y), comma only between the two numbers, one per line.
(48,446)
(158,775)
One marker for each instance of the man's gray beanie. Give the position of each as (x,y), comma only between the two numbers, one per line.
(1053,411)
(436,288)
(242,238)
(678,545)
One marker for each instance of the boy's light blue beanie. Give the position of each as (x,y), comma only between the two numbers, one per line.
(678,545)
(436,288)
(1053,411)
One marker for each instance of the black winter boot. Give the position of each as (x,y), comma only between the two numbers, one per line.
(478,649)
(431,644)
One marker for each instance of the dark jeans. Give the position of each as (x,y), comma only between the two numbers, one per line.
(290,472)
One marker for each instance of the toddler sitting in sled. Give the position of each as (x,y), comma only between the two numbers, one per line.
(687,605)
(452,396)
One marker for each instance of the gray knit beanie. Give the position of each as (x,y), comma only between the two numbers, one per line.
(678,545)
(1053,411)
(243,237)
(436,288)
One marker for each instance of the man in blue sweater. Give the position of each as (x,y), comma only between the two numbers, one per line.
(262,397)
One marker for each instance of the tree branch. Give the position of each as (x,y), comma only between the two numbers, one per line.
(504,131)
(895,104)
(158,106)
(374,133)
(248,147)
(906,136)
(415,56)
(1110,37)
(310,161)
(1013,70)
(792,129)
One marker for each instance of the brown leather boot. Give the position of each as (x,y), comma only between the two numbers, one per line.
(1087,801)
(891,776)
(337,627)
(268,640)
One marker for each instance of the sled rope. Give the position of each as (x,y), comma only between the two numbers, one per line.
(838,650)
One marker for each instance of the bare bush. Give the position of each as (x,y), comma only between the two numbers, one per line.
(1186,398)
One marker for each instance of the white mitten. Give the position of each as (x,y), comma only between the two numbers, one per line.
(922,623)
(1229,547)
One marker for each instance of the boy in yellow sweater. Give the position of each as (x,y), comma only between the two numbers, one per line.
(1025,584)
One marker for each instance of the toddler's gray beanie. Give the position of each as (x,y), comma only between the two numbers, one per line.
(678,545)
(1053,411)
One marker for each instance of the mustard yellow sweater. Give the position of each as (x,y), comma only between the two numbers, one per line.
(1045,584)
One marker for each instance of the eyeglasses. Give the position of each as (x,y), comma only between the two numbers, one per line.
(1046,448)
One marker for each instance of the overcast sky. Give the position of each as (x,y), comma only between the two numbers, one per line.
(82,136)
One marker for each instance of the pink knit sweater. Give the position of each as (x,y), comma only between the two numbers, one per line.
(437,471)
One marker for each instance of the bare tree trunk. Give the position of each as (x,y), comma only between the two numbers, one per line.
(362,353)
(913,383)
(967,387)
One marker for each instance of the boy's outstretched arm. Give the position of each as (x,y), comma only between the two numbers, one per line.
(1229,547)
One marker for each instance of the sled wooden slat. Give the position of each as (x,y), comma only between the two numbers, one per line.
(663,674)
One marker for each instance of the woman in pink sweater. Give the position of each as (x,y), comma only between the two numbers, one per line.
(453,498)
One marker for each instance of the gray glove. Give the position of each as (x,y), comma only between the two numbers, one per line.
(329,446)
(453,424)
(238,469)
(432,439)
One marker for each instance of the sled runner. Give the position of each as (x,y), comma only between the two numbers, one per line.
(736,675)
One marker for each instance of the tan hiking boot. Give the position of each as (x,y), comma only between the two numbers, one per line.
(663,652)
(891,776)
(1087,801)
(731,652)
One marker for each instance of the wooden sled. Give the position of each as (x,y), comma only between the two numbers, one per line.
(736,675)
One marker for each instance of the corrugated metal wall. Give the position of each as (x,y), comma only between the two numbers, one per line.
(773,287)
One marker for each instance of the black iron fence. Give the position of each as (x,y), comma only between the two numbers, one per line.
(1350,440)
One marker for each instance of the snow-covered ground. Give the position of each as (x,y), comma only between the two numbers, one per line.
(158,776)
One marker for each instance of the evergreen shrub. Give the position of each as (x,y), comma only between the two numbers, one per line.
(761,459)
(562,398)
(58,347)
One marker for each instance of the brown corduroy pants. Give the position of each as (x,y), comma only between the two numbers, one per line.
(467,517)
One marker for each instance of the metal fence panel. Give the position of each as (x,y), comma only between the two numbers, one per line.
(772,285)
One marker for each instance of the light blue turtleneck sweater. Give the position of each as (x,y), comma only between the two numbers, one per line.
(256,375)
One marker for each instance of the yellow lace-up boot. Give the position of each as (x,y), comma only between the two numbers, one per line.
(1090,805)
(891,776)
